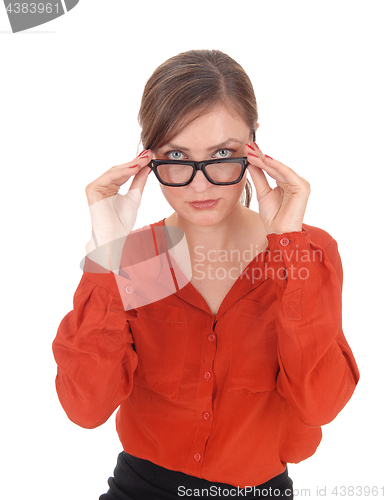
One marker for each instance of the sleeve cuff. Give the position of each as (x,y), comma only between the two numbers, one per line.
(290,255)
(289,241)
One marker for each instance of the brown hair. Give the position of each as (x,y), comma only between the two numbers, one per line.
(187,86)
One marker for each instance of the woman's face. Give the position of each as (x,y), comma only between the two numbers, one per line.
(220,133)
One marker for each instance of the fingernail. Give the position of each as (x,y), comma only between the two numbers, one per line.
(249,146)
(250,154)
(269,157)
(134,166)
(150,171)
(143,153)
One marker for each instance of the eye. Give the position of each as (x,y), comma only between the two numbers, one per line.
(224,153)
(174,155)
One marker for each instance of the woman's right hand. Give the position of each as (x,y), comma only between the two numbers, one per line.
(113,215)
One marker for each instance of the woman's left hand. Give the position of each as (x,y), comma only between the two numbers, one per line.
(281,208)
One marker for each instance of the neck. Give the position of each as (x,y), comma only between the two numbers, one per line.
(223,235)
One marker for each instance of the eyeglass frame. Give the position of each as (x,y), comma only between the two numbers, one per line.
(199,165)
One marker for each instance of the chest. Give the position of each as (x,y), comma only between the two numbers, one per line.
(213,291)
(178,345)
(214,278)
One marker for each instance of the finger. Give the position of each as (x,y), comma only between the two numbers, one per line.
(134,163)
(132,167)
(278,171)
(286,178)
(255,156)
(259,163)
(254,150)
(260,181)
(254,153)
(141,176)
(139,181)
(108,184)
(119,174)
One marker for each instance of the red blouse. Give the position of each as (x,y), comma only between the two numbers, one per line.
(229,398)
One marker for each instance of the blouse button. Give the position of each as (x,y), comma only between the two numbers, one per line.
(211,337)
(206,415)
(197,457)
(207,375)
(129,289)
(284,241)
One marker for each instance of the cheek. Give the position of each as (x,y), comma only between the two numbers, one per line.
(171,194)
(237,190)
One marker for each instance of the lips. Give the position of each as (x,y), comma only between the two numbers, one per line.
(203,204)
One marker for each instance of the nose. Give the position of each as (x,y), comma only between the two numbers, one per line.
(200,183)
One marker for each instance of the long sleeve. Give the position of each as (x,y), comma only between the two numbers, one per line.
(94,353)
(318,372)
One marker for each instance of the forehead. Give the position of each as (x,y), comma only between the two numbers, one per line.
(216,126)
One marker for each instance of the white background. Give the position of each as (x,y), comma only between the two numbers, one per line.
(70,91)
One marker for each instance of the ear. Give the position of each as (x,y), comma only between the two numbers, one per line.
(254,132)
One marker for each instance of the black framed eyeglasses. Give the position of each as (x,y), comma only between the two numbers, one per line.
(221,171)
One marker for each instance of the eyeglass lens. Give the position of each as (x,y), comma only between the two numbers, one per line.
(218,172)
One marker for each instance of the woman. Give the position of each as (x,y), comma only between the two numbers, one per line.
(226,361)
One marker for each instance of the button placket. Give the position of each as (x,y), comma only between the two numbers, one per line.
(205,397)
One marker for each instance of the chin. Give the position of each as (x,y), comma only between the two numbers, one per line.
(206,218)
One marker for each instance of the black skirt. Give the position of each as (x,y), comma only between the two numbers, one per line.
(137,479)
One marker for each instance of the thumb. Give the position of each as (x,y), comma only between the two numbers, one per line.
(134,197)
(139,182)
(260,181)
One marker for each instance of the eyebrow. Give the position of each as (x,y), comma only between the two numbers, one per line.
(223,144)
